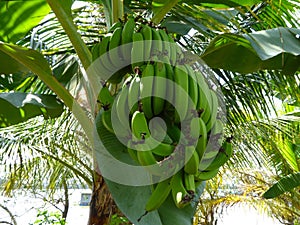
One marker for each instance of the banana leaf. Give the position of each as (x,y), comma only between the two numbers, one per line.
(19,17)
(285,184)
(273,49)
(19,107)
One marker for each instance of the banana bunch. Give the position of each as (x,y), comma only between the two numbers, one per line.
(127,45)
(163,110)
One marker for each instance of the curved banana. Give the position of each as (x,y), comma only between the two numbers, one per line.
(137,51)
(105,98)
(174,132)
(145,158)
(122,108)
(146,86)
(115,26)
(157,45)
(193,91)
(214,110)
(131,151)
(139,127)
(159,195)
(181,93)
(134,94)
(214,144)
(205,103)
(192,165)
(95,51)
(106,120)
(104,65)
(202,140)
(222,157)
(166,44)
(206,175)
(159,88)
(189,183)
(160,148)
(173,51)
(194,128)
(127,31)
(147,35)
(180,195)
(170,85)
(115,41)
(126,41)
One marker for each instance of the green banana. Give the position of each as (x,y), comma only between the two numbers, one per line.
(115,41)
(214,110)
(202,141)
(158,129)
(159,88)
(159,148)
(193,91)
(194,128)
(146,86)
(115,26)
(166,44)
(205,97)
(192,165)
(215,142)
(128,31)
(173,131)
(206,175)
(106,120)
(146,158)
(137,51)
(131,151)
(126,40)
(159,195)
(105,98)
(170,85)
(134,94)
(173,51)
(122,108)
(156,48)
(222,157)
(103,67)
(147,35)
(139,127)
(181,91)
(189,183)
(95,51)
(180,195)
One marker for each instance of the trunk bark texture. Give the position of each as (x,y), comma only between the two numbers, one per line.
(102,206)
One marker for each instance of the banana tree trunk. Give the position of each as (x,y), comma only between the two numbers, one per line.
(102,206)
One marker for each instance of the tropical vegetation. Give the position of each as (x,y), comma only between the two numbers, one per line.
(252,48)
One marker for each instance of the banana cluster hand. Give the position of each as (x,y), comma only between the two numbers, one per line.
(157,83)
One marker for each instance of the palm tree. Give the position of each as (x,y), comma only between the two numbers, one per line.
(249,97)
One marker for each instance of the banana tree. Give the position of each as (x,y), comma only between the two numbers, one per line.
(172,11)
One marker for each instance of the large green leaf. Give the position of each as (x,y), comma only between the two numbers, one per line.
(161,8)
(19,17)
(274,49)
(131,200)
(9,65)
(287,150)
(224,3)
(36,62)
(19,107)
(285,184)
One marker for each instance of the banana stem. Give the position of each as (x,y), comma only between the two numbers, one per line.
(65,18)
(117,10)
